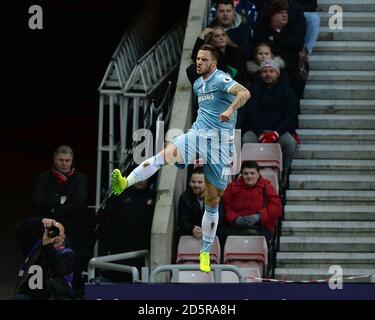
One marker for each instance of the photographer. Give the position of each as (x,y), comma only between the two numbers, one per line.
(42,243)
(61,193)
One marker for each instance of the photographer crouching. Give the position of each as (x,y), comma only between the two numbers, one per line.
(47,271)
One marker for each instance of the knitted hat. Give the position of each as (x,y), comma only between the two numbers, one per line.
(270,63)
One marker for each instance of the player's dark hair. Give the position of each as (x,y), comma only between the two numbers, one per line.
(212,49)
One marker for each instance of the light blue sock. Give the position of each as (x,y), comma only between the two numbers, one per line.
(145,170)
(209,225)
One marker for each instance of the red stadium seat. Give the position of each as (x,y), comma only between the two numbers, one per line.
(250,275)
(272,175)
(265,154)
(188,250)
(246,252)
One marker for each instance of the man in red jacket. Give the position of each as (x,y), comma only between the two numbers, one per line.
(252,201)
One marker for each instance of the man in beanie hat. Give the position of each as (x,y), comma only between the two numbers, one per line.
(272,112)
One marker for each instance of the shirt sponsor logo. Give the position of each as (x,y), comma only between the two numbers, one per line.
(204,97)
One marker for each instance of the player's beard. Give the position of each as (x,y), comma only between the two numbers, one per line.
(207,72)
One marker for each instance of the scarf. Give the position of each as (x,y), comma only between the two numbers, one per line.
(60,177)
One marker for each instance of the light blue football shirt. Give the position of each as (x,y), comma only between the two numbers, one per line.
(213,99)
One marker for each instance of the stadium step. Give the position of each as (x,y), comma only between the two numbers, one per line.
(313,274)
(343,46)
(339,91)
(329,215)
(329,197)
(347,33)
(322,151)
(343,75)
(335,62)
(331,182)
(329,212)
(330,106)
(329,228)
(348,5)
(350,18)
(318,166)
(328,121)
(325,259)
(327,244)
(332,136)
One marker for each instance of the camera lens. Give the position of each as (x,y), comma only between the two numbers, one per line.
(53,232)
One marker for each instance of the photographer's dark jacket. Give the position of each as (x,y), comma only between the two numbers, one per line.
(72,214)
(56,263)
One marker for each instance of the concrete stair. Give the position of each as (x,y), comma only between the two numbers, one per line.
(347,33)
(334,62)
(332,212)
(343,75)
(329,197)
(319,166)
(344,47)
(323,121)
(327,228)
(323,151)
(327,244)
(331,182)
(340,91)
(350,19)
(329,215)
(337,106)
(348,5)
(325,259)
(312,274)
(332,136)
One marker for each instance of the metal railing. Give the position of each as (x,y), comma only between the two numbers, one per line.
(157,63)
(105,263)
(175,268)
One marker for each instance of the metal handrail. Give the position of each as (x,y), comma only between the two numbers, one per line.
(157,63)
(104,263)
(217,268)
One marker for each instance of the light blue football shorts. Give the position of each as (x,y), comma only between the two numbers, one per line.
(213,148)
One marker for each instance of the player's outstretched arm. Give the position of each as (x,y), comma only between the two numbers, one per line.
(242,95)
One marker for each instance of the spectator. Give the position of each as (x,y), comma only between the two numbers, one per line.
(230,20)
(191,206)
(47,250)
(286,39)
(231,59)
(61,193)
(126,225)
(309,8)
(272,112)
(251,202)
(263,52)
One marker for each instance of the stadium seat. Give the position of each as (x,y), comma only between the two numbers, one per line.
(272,175)
(249,273)
(265,154)
(188,250)
(246,252)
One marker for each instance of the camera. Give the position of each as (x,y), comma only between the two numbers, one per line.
(53,232)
